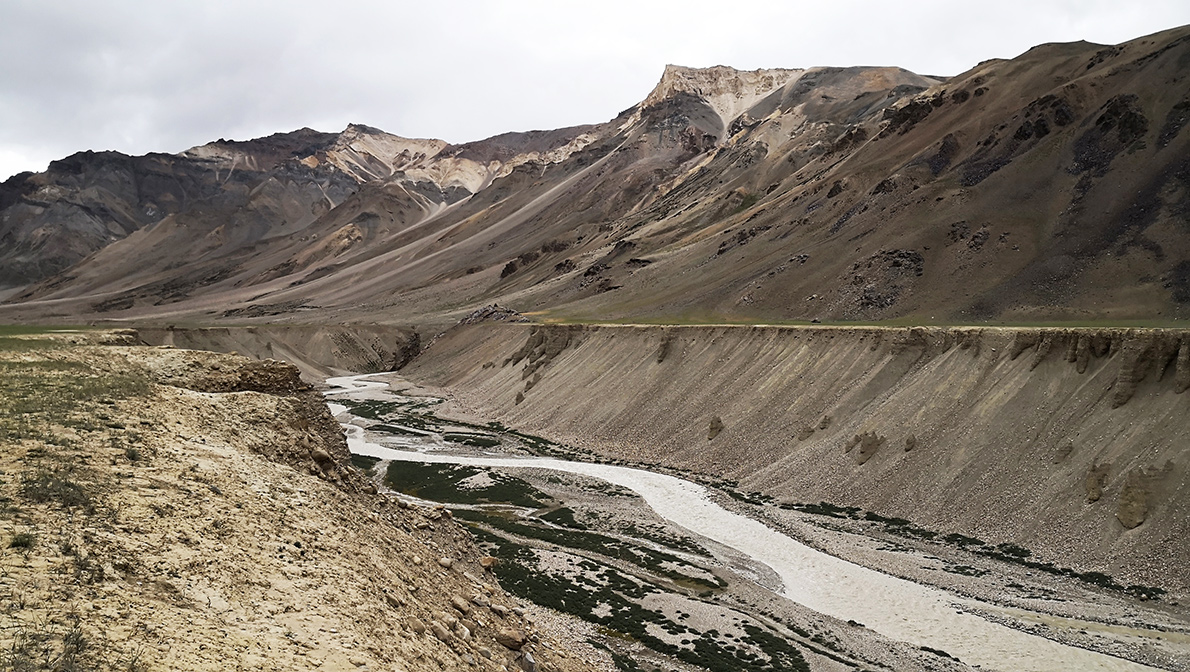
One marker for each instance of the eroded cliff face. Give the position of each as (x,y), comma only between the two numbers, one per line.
(317,351)
(1070,442)
(197,511)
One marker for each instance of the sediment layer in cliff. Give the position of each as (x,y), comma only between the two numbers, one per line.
(1070,442)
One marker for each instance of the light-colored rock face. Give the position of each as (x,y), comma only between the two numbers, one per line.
(368,154)
(729,92)
(361,152)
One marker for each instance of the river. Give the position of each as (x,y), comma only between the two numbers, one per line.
(896,608)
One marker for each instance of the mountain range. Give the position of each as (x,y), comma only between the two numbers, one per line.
(1050,188)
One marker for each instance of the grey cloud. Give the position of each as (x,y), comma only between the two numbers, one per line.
(152,76)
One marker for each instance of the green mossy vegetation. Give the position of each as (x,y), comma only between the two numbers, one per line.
(604,589)
(439,483)
(656,562)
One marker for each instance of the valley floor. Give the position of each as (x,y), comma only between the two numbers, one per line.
(704,587)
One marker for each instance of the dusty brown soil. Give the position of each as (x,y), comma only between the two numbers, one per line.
(204,517)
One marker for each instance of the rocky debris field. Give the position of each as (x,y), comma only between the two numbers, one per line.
(167,509)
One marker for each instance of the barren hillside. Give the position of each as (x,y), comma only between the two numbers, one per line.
(1051,187)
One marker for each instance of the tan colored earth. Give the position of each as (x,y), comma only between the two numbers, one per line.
(181,521)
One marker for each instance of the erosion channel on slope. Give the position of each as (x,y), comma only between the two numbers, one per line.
(700,577)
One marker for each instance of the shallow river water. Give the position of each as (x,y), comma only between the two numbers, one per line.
(896,608)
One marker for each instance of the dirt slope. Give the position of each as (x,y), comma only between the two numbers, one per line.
(178,510)
(1070,443)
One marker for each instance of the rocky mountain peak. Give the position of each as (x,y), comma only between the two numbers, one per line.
(367,153)
(728,91)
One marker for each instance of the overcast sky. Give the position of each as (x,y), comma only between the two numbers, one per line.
(164,76)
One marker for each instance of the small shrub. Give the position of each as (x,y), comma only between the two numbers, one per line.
(23,540)
(45,486)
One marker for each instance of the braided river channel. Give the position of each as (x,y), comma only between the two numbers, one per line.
(896,608)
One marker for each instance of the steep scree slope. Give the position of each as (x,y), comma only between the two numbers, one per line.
(1067,442)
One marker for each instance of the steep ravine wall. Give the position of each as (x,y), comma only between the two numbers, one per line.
(1072,443)
(317,351)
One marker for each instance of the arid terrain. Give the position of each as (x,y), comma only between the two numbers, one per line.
(927,336)
(169,509)
(1052,187)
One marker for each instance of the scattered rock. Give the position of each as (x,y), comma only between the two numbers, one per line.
(459,603)
(715,428)
(1096,479)
(494,312)
(1140,486)
(510,639)
(868,443)
(446,562)
(1063,452)
(441,632)
(1133,506)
